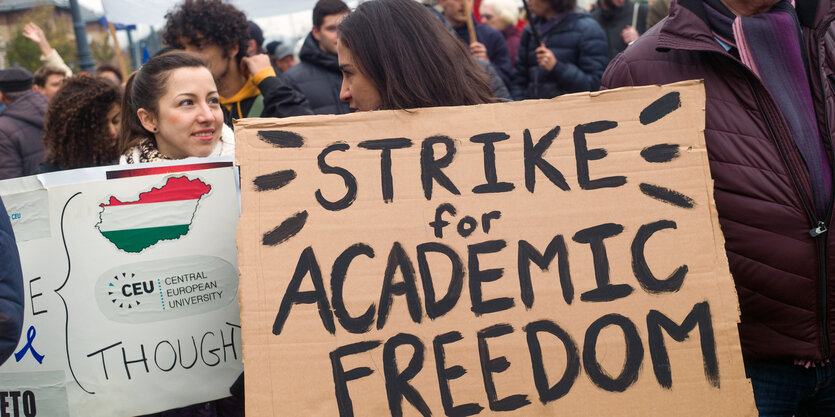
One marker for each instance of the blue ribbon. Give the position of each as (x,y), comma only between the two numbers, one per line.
(30,337)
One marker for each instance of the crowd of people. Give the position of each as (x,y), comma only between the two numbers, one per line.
(769,71)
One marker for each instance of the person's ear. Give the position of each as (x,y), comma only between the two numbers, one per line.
(317,34)
(148,121)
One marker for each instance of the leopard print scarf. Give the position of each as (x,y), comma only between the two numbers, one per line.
(148,152)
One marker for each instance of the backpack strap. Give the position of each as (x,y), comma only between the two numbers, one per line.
(257,107)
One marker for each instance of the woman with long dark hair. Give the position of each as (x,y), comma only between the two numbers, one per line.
(394,54)
(82,124)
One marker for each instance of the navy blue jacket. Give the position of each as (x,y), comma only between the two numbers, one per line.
(580,46)
(11,288)
(496,47)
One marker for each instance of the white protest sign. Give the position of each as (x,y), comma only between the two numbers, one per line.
(130,291)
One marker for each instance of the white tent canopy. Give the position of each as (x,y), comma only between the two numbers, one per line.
(152,12)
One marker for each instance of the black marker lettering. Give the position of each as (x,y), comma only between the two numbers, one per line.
(397,382)
(399,260)
(533,159)
(347,177)
(143,359)
(605,291)
(572,363)
(528,253)
(634,354)
(446,374)
(439,223)
(486,217)
(341,377)
(698,316)
(478,276)
(173,353)
(180,351)
(359,324)
(32,297)
(307,264)
(490,174)
(583,155)
(430,168)
(435,309)
(639,262)
(386,145)
(490,366)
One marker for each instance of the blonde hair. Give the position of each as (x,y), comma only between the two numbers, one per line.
(506,10)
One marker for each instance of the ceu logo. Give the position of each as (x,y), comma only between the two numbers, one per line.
(165,289)
(126,292)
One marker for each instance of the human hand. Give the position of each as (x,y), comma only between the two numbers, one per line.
(35,34)
(545,58)
(254,64)
(479,51)
(629,34)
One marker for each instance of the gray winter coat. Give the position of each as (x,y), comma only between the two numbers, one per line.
(21,136)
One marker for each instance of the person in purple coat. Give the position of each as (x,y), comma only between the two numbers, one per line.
(768,68)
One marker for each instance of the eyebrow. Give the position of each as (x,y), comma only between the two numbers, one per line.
(194,95)
(343,66)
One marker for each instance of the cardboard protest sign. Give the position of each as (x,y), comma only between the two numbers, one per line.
(553,257)
(130,281)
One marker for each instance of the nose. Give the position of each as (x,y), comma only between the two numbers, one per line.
(205,114)
(345,92)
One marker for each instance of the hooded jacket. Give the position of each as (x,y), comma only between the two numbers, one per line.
(318,77)
(11,288)
(279,100)
(578,44)
(21,136)
(784,276)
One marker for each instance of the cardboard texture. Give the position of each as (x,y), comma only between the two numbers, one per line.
(587,277)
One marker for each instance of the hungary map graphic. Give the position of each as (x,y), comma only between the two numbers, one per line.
(163,213)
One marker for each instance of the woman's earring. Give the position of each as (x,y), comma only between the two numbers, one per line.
(155,129)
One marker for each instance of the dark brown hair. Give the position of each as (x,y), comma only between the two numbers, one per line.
(410,56)
(326,8)
(110,68)
(40,76)
(144,89)
(76,134)
(213,21)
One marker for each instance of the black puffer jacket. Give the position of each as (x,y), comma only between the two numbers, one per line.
(579,45)
(317,76)
(21,136)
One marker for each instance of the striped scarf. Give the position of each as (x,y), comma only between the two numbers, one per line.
(769,44)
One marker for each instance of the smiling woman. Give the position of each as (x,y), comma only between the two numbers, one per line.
(171,110)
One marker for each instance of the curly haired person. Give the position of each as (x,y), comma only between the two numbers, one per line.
(82,122)
(219,33)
